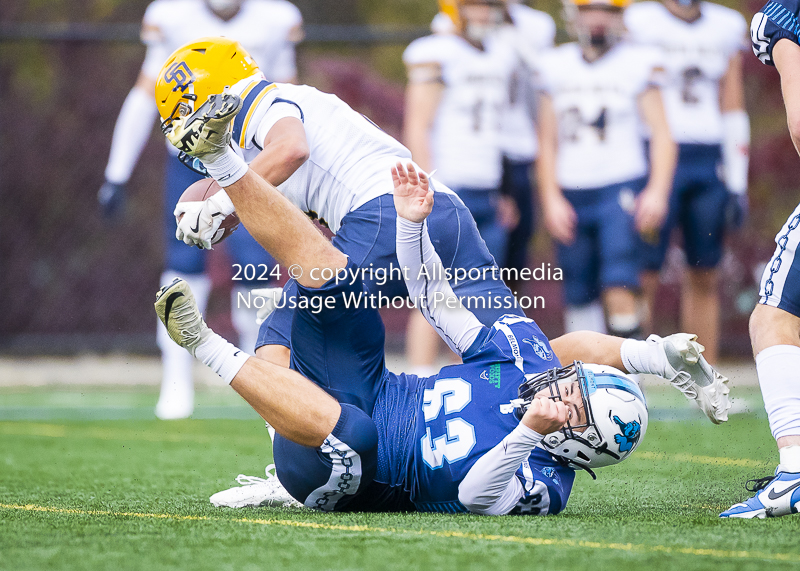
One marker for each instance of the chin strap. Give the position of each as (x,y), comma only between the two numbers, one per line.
(570,464)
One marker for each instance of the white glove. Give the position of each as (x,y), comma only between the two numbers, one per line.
(198,222)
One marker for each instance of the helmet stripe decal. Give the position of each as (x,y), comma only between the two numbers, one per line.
(607,381)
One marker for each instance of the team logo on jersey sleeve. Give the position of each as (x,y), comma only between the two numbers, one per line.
(180,74)
(540,348)
(631,431)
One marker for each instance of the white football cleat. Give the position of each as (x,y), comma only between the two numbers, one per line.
(177,310)
(256,492)
(207,131)
(690,373)
(175,402)
(776,496)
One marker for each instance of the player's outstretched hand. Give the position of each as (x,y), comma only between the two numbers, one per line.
(545,415)
(413,198)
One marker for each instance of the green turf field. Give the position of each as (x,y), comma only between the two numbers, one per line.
(123,491)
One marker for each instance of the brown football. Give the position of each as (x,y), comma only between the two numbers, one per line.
(202,190)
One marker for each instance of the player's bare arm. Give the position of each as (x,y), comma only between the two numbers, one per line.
(422,98)
(786,55)
(652,204)
(559,216)
(285,149)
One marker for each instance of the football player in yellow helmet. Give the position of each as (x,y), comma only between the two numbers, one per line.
(597,24)
(269,31)
(475,19)
(199,69)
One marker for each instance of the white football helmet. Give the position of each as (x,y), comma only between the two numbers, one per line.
(615,414)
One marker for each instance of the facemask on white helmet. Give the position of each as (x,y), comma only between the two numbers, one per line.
(610,426)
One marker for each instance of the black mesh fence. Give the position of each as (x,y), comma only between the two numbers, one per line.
(70,281)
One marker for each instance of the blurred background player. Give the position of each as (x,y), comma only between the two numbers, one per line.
(458,89)
(269,29)
(592,168)
(775,322)
(535,32)
(704,98)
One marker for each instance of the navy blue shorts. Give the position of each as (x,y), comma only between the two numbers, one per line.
(367,236)
(242,248)
(697,205)
(605,252)
(482,204)
(780,283)
(517,185)
(341,350)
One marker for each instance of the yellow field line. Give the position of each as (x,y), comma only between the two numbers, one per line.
(539,541)
(695,459)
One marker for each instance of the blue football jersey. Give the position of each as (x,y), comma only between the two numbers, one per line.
(466,412)
(776,20)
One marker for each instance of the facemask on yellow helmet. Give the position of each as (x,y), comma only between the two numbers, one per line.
(475,30)
(600,32)
(196,70)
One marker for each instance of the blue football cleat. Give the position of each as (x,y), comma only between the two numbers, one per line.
(778,495)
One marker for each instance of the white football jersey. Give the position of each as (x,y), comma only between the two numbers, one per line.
(264,27)
(596,105)
(696,57)
(350,158)
(465,139)
(536,32)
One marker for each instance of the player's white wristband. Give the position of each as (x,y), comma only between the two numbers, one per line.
(226,168)
(736,149)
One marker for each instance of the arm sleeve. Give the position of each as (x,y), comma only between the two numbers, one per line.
(429,288)
(131,133)
(491,486)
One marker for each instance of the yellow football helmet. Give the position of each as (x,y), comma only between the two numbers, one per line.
(611,3)
(198,69)
(452,8)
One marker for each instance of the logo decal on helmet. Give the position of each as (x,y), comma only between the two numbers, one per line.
(180,74)
(630,434)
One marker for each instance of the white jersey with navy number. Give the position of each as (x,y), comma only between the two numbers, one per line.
(535,32)
(465,138)
(350,158)
(777,20)
(266,28)
(597,110)
(466,412)
(696,57)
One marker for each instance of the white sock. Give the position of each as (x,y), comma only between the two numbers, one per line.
(623,324)
(779,376)
(643,357)
(222,357)
(587,317)
(790,459)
